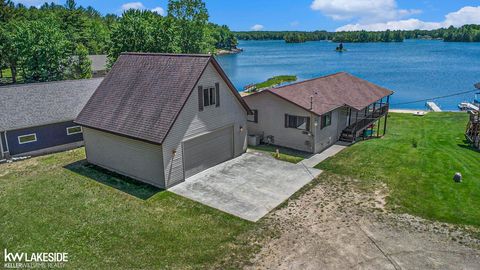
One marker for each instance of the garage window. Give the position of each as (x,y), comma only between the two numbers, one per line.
(298,122)
(27,138)
(209,96)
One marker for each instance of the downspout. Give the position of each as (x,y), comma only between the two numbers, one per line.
(1,147)
(6,144)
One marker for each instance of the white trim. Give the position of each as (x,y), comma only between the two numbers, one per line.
(6,142)
(1,147)
(21,136)
(73,133)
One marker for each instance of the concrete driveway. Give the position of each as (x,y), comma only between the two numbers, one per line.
(249,186)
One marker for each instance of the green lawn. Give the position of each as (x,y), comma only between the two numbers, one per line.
(276,81)
(286,154)
(104,221)
(417,160)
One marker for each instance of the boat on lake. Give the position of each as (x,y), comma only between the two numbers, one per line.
(340,48)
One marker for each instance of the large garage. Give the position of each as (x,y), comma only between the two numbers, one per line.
(162,118)
(208,150)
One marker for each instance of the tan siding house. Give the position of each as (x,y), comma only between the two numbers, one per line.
(161,118)
(312,115)
(271,121)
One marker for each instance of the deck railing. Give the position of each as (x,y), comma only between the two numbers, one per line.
(351,132)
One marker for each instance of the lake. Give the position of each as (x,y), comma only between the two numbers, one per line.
(414,69)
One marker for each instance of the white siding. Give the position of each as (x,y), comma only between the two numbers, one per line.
(133,158)
(330,135)
(271,121)
(191,123)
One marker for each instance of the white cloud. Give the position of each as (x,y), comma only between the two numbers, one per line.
(133,5)
(410,24)
(366,11)
(466,15)
(295,23)
(159,10)
(257,27)
(140,5)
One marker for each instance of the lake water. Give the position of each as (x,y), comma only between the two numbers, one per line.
(414,69)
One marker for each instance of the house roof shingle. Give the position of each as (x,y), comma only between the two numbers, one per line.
(37,104)
(331,92)
(143,94)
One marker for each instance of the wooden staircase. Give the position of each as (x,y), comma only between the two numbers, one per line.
(352,132)
(473,129)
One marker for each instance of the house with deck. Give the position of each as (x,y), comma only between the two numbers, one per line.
(314,114)
(161,118)
(37,118)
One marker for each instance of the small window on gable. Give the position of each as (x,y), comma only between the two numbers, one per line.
(209,96)
(206,99)
(326,120)
(254,117)
(212,96)
(27,138)
(74,130)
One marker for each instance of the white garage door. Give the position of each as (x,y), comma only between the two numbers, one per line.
(207,150)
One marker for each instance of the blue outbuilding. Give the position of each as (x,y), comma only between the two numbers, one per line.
(37,118)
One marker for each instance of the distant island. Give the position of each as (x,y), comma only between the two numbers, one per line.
(466,33)
(271,82)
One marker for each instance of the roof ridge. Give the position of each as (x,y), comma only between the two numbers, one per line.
(312,79)
(168,54)
(46,83)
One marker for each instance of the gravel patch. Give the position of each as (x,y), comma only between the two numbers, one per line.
(340,224)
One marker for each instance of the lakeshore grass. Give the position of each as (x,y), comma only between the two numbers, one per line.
(417,160)
(276,81)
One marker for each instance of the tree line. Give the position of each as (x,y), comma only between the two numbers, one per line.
(53,42)
(466,33)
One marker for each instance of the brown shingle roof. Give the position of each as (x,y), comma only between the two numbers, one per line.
(143,94)
(331,92)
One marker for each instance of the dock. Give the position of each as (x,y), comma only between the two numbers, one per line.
(433,106)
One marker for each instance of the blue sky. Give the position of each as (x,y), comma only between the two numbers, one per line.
(317,14)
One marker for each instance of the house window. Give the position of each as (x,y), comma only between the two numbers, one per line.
(209,97)
(298,122)
(326,120)
(254,117)
(74,130)
(27,138)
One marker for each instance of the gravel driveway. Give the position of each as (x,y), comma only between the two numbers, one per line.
(336,225)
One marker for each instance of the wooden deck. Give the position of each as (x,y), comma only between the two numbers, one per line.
(353,131)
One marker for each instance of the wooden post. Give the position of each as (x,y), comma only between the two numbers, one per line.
(386,116)
(378,128)
(349,116)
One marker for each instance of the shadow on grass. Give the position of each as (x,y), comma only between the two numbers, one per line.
(468,146)
(123,183)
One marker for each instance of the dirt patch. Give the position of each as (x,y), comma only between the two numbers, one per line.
(338,224)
